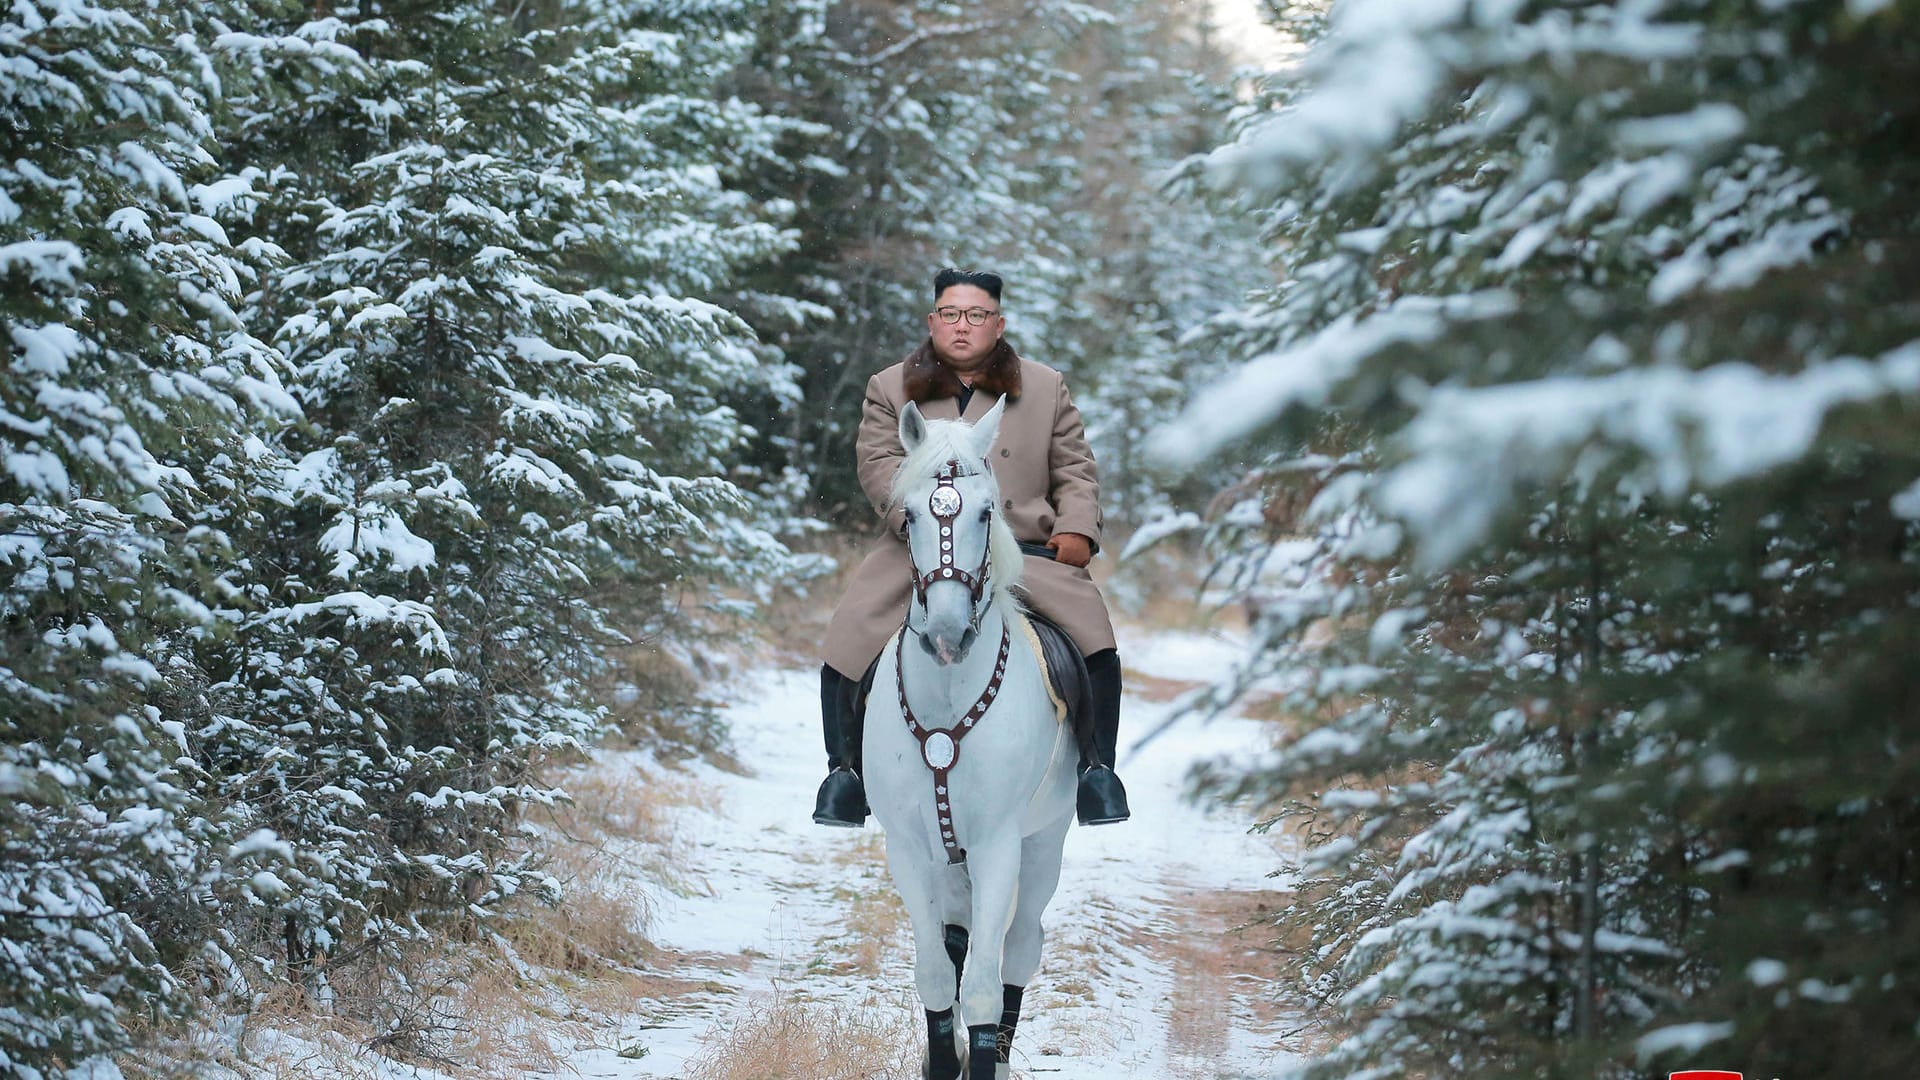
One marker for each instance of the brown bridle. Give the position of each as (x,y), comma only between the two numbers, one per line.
(940,747)
(945,505)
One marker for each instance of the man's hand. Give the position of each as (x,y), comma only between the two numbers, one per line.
(1072,549)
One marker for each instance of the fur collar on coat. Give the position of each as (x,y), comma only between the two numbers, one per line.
(929,380)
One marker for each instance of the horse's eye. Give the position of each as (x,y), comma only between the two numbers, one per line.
(985,514)
(912,517)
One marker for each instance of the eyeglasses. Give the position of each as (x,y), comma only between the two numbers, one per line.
(976,316)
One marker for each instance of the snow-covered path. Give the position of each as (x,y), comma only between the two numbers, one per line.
(1142,976)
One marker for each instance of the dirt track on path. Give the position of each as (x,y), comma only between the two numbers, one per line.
(784,952)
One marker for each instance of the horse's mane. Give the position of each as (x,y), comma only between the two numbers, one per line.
(946,441)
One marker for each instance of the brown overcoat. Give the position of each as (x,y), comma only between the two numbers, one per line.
(1048,486)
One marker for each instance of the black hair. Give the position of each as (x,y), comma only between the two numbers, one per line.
(984,280)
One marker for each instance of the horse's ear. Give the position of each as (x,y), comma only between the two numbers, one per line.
(913,427)
(987,427)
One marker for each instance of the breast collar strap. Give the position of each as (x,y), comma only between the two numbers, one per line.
(940,747)
(947,497)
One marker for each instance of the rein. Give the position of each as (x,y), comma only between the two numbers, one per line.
(940,747)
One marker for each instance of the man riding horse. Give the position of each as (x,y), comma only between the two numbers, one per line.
(1051,500)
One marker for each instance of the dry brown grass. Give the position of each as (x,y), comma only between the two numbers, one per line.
(519,993)
(1223,958)
(476,1011)
(1157,687)
(877,927)
(1219,948)
(877,923)
(620,821)
(617,833)
(464,1013)
(781,1040)
(668,704)
(168,1053)
(499,1022)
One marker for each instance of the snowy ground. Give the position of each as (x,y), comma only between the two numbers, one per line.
(779,950)
(1143,975)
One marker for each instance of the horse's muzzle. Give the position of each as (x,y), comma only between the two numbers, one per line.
(946,650)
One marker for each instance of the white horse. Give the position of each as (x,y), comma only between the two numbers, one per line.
(969,763)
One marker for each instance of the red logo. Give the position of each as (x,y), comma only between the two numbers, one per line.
(1704,1074)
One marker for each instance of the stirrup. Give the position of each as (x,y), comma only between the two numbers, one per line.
(842,801)
(1102,799)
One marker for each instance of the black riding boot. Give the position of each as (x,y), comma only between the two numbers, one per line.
(1102,799)
(843,798)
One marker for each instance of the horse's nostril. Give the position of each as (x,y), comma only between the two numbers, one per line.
(966,641)
(926,645)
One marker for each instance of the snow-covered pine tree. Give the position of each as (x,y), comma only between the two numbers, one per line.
(942,135)
(497,226)
(700,142)
(1595,360)
(130,382)
(1152,257)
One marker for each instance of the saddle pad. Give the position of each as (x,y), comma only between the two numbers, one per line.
(1066,670)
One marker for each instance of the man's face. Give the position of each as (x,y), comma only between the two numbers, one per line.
(961,344)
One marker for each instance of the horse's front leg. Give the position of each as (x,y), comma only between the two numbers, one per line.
(922,886)
(1039,877)
(994,869)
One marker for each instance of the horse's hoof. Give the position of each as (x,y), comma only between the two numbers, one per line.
(959,1071)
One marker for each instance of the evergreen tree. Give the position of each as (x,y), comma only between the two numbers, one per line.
(937,134)
(1154,256)
(365,391)
(1593,362)
(130,382)
(497,227)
